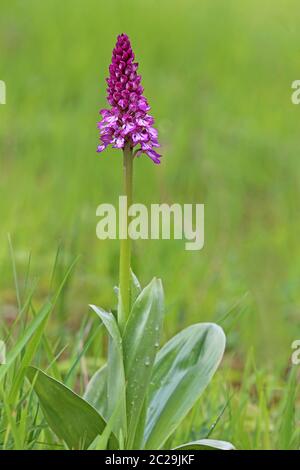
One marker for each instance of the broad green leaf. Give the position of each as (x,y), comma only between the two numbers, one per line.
(206,444)
(24,339)
(140,429)
(96,391)
(116,385)
(71,375)
(183,369)
(104,441)
(140,345)
(136,288)
(69,416)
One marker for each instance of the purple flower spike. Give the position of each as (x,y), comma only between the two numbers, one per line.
(128,120)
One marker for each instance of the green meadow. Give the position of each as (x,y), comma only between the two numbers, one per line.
(218,77)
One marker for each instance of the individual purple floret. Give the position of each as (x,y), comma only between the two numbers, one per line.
(128,120)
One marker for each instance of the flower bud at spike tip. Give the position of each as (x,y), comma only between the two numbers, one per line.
(127,121)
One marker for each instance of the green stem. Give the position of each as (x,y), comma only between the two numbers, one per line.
(125,244)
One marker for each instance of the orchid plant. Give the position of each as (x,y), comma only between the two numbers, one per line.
(141,395)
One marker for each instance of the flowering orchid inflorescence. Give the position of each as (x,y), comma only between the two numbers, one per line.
(127,122)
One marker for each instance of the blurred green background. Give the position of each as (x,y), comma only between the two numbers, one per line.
(218,76)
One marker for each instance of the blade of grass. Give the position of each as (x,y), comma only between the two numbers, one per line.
(25,337)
